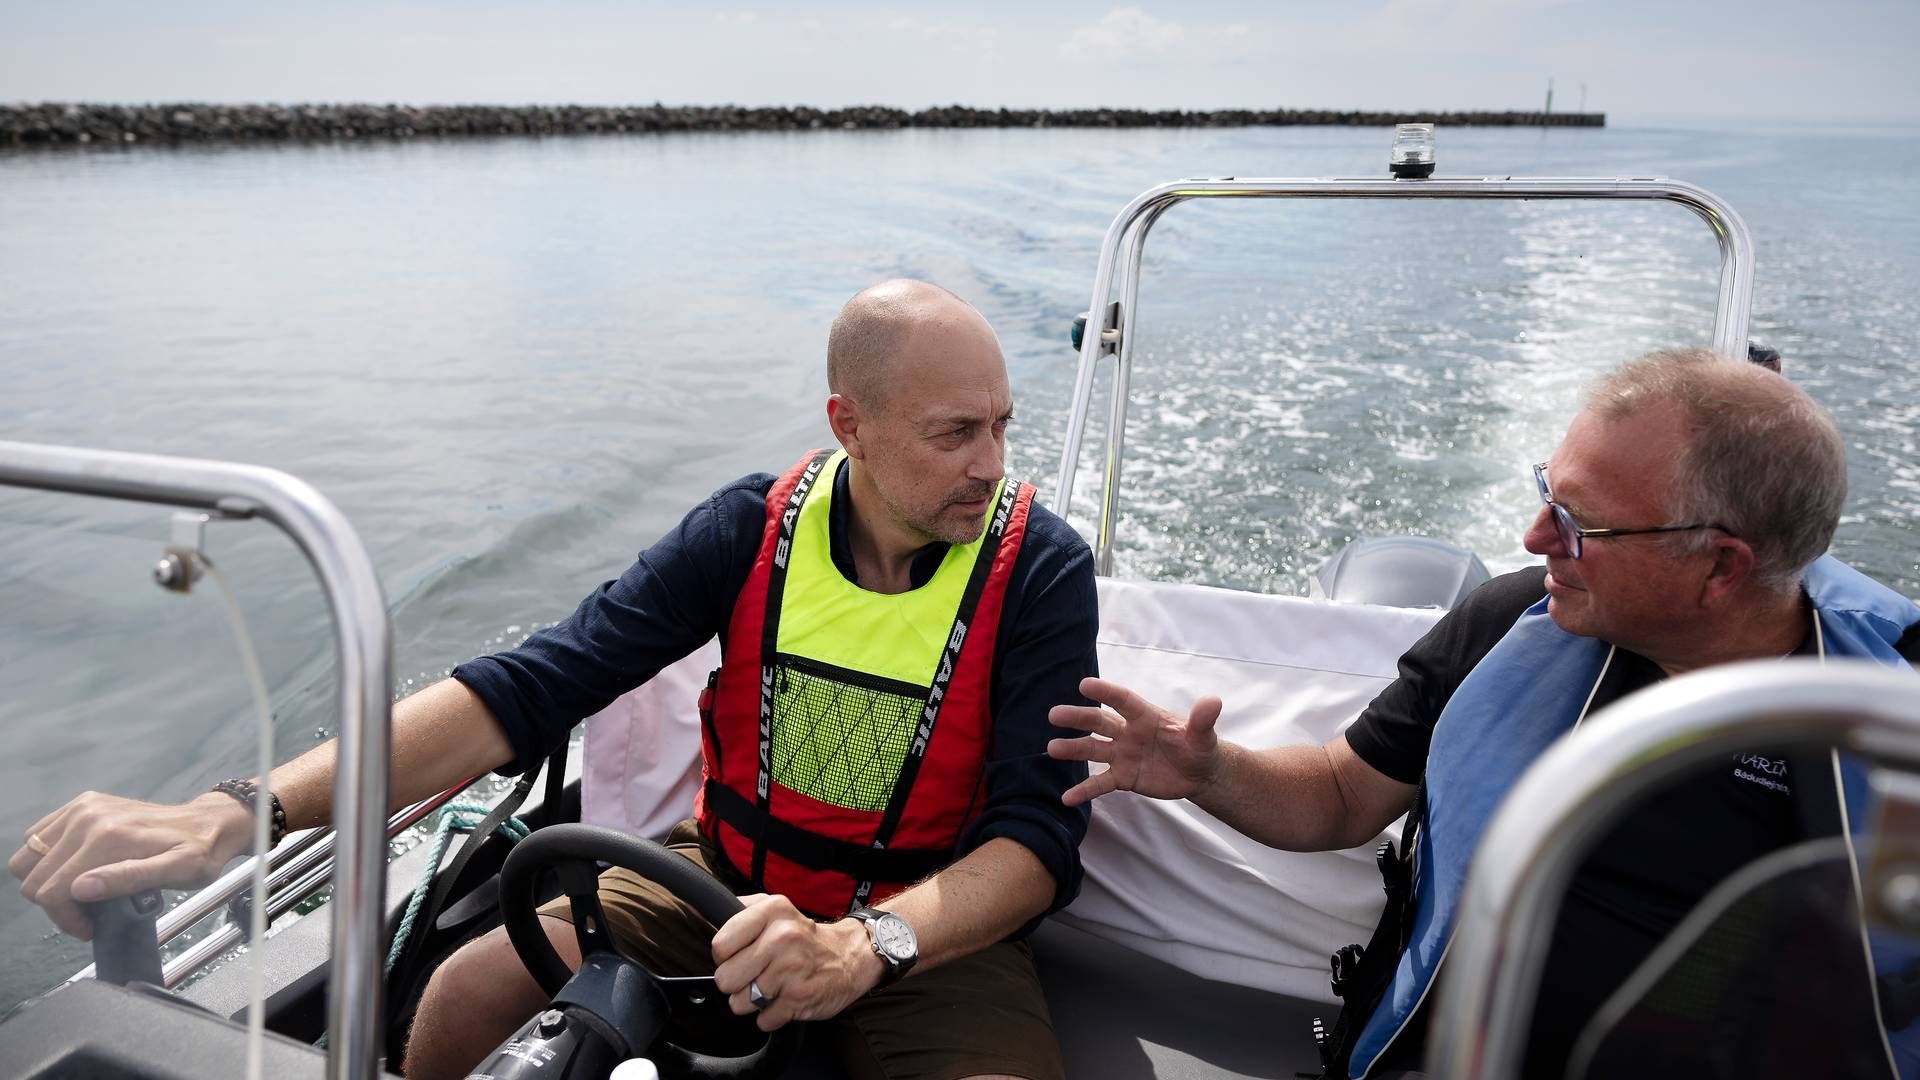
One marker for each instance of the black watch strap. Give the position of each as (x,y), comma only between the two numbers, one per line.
(248,792)
(896,967)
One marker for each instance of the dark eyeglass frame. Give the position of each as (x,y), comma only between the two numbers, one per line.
(1570,531)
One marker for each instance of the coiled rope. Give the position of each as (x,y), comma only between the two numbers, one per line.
(461,817)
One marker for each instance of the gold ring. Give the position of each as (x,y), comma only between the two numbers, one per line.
(37,845)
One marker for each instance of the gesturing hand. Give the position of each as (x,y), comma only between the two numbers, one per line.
(805,970)
(1145,748)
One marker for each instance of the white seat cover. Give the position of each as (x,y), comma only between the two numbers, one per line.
(1170,880)
(1163,878)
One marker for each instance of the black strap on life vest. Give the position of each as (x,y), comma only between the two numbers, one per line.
(769,640)
(816,852)
(1361,975)
(937,691)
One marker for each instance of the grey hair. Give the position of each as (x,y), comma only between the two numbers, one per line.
(1762,459)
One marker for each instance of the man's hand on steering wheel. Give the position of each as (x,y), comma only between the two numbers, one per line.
(804,970)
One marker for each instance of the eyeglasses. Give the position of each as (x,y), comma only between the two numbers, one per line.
(1571,534)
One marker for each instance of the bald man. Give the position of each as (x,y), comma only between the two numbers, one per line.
(896,619)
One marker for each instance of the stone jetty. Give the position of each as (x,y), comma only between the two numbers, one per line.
(58,123)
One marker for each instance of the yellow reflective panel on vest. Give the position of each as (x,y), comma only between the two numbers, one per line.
(854,666)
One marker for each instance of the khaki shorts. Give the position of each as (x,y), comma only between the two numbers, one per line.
(981,1014)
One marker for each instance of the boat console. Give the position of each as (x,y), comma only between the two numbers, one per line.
(91,1030)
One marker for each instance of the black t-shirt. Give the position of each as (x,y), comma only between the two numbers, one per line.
(1647,872)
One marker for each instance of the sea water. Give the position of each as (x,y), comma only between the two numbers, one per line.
(513,363)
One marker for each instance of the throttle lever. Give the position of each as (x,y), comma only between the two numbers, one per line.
(125,947)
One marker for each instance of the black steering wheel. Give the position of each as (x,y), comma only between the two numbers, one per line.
(573,853)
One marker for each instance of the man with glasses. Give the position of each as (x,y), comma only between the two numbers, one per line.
(1683,523)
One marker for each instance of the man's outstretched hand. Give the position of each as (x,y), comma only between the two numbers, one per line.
(102,846)
(1145,747)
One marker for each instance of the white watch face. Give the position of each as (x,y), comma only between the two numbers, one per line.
(894,937)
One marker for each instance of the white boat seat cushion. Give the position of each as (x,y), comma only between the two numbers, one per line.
(1164,878)
(1171,881)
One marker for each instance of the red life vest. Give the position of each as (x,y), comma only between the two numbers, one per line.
(824,783)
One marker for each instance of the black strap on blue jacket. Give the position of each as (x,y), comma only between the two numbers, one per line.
(1361,974)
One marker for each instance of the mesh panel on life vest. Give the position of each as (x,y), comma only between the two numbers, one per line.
(838,742)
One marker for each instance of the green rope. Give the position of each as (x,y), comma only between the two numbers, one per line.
(461,817)
(456,816)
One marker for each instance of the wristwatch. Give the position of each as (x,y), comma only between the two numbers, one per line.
(892,939)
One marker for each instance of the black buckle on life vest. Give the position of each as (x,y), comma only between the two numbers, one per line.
(1345,962)
(1396,875)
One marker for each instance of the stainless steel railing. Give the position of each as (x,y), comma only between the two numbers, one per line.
(1581,785)
(363,641)
(1121,251)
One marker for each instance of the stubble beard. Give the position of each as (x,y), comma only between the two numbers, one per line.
(1575,619)
(943,526)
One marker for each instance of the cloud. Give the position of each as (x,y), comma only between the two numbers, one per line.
(1120,34)
(1469,25)
(975,37)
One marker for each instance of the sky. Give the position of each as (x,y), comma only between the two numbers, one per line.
(1794,60)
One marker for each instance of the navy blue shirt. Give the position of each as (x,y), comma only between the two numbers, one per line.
(680,593)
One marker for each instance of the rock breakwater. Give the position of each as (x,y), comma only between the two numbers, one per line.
(57,123)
